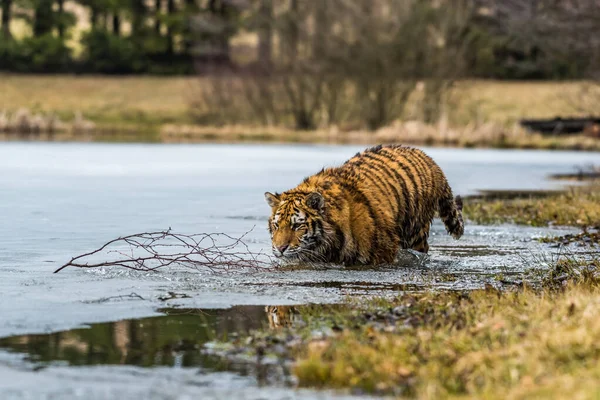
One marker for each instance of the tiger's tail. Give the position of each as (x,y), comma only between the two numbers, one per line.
(450,210)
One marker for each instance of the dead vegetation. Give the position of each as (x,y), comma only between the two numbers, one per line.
(24,122)
(405,132)
(151,251)
(575,207)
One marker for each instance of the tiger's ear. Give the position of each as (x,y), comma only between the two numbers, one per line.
(272,199)
(315,201)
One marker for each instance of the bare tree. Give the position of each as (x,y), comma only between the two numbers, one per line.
(265,34)
(6,18)
(364,57)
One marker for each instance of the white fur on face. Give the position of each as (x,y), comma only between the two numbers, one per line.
(299,218)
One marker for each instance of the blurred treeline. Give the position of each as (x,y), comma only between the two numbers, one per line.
(504,39)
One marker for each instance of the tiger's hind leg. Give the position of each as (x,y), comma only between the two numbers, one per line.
(419,243)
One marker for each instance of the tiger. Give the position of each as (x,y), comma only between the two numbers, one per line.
(280,316)
(363,212)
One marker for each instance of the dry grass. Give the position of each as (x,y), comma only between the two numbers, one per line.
(577,207)
(103,99)
(539,340)
(507,102)
(478,114)
(484,344)
(410,132)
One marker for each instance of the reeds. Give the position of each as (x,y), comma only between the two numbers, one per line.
(25,122)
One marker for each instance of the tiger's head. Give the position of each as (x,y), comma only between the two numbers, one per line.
(296,224)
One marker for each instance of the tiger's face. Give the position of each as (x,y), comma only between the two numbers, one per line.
(296,224)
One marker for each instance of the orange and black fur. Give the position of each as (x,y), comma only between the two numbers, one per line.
(381,200)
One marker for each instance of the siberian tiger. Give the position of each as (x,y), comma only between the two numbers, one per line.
(379,201)
(280,316)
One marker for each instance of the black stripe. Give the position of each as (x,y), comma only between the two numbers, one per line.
(365,169)
(426,171)
(427,163)
(319,227)
(380,183)
(398,160)
(391,173)
(361,198)
(311,224)
(421,198)
(339,238)
(411,161)
(413,181)
(374,149)
(406,195)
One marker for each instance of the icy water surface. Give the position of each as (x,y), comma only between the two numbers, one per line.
(61,200)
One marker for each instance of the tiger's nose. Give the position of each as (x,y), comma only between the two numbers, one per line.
(282,248)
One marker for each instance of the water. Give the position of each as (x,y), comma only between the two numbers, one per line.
(174,339)
(156,357)
(60,200)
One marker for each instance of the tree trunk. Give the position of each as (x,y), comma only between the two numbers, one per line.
(321,25)
(170,33)
(43,18)
(93,17)
(294,36)
(191,9)
(157,9)
(116,23)
(61,18)
(104,20)
(6,17)
(212,6)
(137,21)
(224,39)
(265,34)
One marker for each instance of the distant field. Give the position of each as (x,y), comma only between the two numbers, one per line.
(159,100)
(506,102)
(109,100)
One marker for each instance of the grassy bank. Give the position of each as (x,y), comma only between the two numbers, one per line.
(576,207)
(479,113)
(536,341)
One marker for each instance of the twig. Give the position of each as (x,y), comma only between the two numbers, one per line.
(149,251)
(132,295)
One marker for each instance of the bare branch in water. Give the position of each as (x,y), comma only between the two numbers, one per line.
(149,251)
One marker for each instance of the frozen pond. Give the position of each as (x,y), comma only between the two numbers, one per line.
(60,200)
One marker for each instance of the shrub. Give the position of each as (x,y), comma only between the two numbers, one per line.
(45,53)
(111,54)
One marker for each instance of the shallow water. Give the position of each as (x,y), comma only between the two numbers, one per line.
(174,339)
(60,200)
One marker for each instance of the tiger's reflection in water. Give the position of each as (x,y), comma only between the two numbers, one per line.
(281,316)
